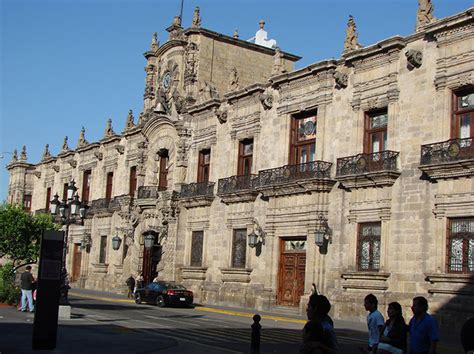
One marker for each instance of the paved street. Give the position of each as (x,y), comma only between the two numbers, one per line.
(120,326)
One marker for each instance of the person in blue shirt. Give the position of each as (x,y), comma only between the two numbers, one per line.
(423,328)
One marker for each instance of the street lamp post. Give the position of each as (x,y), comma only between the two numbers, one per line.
(67,212)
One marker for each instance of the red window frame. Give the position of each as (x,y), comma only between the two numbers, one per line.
(27,202)
(108,185)
(163,176)
(204,164)
(378,132)
(459,113)
(48,198)
(302,146)
(244,167)
(132,181)
(86,185)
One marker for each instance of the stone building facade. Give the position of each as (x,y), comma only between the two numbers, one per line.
(351,176)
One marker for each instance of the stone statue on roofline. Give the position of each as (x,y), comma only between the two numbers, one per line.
(261,37)
(46,153)
(196,18)
(109,131)
(424,14)
(278,66)
(14,156)
(233,80)
(154,42)
(82,138)
(351,42)
(23,153)
(129,124)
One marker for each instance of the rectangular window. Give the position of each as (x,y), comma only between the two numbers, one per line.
(244,167)
(196,248)
(133,181)
(103,249)
(375,132)
(65,185)
(239,248)
(461,245)
(48,197)
(86,185)
(164,163)
(303,139)
(204,165)
(108,187)
(368,246)
(463,114)
(27,202)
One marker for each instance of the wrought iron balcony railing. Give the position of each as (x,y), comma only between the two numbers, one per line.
(235,184)
(99,204)
(292,173)
(447,151)
(203,189)
(364,163)
(148,192)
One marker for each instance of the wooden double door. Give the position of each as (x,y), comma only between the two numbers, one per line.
(292,269)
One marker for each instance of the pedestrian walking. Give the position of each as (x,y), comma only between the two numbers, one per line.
(375,322)
(394,335)
(131,286)
(27,281)
(467,337)
(423,328)
(139,282)
(314,341)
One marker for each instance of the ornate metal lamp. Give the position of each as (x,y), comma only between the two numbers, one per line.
(116,242)
(253,239)
(323,232)
(149,240)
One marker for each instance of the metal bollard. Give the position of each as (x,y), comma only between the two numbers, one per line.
(255,339)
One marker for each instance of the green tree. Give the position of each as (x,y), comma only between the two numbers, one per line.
(20,234)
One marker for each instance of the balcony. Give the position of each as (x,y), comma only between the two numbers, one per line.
(368,170)
(294,179)
(99,206)
(236,189)
(197,194)
(448,159)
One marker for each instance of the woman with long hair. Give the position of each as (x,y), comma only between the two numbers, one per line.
(394,336)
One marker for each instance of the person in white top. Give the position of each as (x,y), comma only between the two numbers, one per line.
(375,322)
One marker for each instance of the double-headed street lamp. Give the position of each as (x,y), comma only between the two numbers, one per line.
(67,212)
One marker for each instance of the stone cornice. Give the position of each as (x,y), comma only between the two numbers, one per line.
(208,105)
(238,42)
(312,69)
(110,139)
(87,147)
(445,26)
(165,47)
(23,164)
(392,43)
(246,91)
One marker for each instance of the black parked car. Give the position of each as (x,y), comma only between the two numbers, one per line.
(164,293)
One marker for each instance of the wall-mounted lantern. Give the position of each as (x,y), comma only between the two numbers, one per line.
(257,236)
(149,240)
(86,241)
(323,232)
(116,242)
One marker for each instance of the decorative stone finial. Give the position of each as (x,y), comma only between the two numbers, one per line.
(23,154)
(15,156)
(196,18)
(154,42)
(236,34)
(351,42)
(278,67)
(109,131)
(46,153)
(82,138)
(65,146)
(177,21)
(424,14)
(233,79)
(175,30)
(129,124)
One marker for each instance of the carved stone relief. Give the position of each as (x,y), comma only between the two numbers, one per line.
(266,100)
(414,58)
(341,79)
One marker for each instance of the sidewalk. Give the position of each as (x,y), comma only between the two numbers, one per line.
(450,341)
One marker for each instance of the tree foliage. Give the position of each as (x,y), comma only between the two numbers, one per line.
(20,233)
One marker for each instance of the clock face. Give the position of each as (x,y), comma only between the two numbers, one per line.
(166,80)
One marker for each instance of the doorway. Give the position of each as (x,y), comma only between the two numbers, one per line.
(76,262)
(291,272)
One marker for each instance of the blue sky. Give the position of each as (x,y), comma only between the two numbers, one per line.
(72,63)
